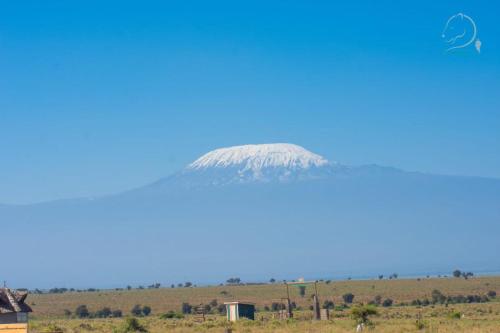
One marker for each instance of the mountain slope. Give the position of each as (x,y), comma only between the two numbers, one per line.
(300,215)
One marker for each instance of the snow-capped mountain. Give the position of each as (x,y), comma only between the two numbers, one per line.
(255,158)
(284,209)
(278,162)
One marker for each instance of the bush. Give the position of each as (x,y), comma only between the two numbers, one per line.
(117,313)
(302,291)
(146,310)
(455,315)
(348,298)
(82,311)
(457,273)
(186,308)
(136,310)
(172,315)
(362,313)
(492,294)
(437,297)
(52,328)
(67,313)
(103,313)
(132,325)
(328,305)
(387,302)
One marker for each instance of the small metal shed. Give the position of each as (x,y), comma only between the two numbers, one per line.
(237,310)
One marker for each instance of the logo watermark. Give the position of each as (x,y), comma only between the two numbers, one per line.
(460,32)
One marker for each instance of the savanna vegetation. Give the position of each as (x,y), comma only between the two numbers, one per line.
(465,304)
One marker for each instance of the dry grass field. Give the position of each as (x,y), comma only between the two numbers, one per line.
(475,317)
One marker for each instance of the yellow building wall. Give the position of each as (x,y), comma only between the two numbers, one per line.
(13,328)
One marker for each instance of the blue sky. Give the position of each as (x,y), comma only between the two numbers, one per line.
(97,98)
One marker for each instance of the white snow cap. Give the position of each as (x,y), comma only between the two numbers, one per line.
(257,157)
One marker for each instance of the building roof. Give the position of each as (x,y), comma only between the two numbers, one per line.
(238,302)
(13,301)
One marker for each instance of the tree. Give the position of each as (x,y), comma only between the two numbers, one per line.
(328,305)
(103,313)
(136,310)
(235,280)
(380,277)
(82,311)
(457,273)
(186,308)
(146,310)
(187,284)
(387,302)
(272,280)
(117,313)
(132,325)
(362,313)
(348,298)
(437,297)
(129,287)
(302,291)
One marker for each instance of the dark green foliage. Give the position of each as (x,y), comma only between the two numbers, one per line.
(117,313)
(67,313)
(172,315)
(235,280)
(492,294)
(348,298)
(82,311)
(455,315)
(438,297)
(132,325)
(457,273)
(387,302)
(186,308)
(103,313)
(328,305)
(362,313)
(136,310)
(146,310)
(302,291)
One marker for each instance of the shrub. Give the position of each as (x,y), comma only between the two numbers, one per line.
(437,297)
(492,294)
(172,315)
(328,305)
(348,298)
(387,302)
(186,308)
(136,310)
(103,313)
(377,300)
(302,291)
(117,313)
(361,313)
(146,310)
(67,313)
(457,273)
(132,325)
(455,315)
(82,311)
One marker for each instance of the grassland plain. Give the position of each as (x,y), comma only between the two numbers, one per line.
(476,317)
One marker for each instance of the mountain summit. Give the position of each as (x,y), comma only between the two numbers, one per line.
(262,162)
